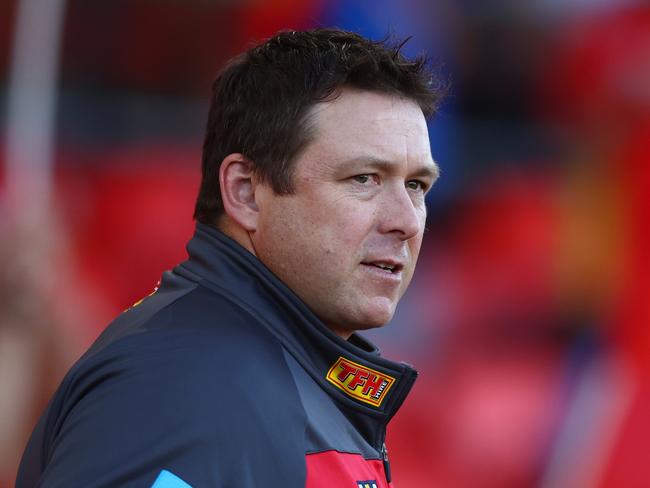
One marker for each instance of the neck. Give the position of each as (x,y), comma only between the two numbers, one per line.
(236,233)
(243,238)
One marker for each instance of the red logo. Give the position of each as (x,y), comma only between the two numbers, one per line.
(360,382)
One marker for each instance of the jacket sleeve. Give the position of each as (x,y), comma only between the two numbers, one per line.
(175,415)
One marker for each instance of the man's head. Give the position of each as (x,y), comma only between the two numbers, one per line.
(316,159)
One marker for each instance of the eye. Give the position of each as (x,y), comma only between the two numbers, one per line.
(416,185)
(364,178)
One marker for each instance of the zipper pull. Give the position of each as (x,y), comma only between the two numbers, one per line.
(384,454)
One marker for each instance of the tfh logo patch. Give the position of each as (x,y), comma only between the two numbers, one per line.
(367,484)
(359,382)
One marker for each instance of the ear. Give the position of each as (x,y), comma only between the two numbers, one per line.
(236,177)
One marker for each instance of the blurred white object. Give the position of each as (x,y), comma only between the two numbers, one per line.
(31,115)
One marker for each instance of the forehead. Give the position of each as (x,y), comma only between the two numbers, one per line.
(362,124)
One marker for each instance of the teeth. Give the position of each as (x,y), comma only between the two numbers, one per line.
(388,267)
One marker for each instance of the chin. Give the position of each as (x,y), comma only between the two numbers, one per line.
(377,317)
(360,324)
(360,316)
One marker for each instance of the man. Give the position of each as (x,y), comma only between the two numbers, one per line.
(244,369)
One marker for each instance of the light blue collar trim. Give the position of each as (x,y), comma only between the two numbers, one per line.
(167,479)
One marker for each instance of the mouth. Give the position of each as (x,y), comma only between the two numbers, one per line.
(387,266)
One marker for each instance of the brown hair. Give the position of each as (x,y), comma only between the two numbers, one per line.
(261,97)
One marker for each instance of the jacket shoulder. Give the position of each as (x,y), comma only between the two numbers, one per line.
(197,388)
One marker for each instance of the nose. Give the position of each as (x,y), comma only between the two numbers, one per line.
(400,215)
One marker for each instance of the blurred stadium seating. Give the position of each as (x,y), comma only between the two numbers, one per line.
(528,316)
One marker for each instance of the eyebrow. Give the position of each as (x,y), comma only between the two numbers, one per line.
(424,171)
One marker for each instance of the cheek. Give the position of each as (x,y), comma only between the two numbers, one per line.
(337,225)
(295,235)
(415,244)
(316,231)
(414,247)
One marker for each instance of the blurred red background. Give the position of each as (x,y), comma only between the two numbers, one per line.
(528,314)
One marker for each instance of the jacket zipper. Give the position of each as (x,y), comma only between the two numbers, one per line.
(384,456)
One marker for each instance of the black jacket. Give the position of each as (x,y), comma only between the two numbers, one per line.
(221,378)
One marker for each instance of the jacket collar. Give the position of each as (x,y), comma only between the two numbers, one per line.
(351,371)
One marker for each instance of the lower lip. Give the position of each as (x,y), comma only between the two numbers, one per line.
(378,273)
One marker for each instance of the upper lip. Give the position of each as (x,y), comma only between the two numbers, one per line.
(389,262)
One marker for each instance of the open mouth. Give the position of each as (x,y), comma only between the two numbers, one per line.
(386,266)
